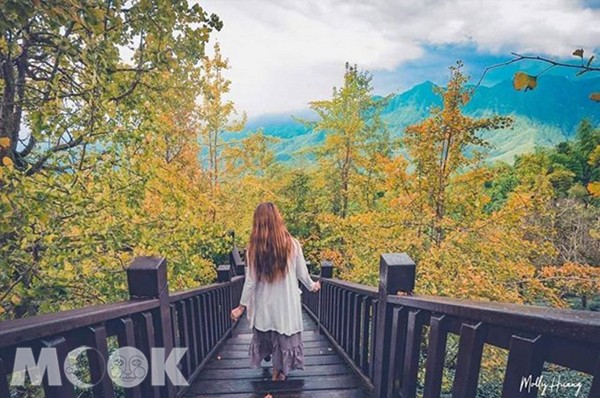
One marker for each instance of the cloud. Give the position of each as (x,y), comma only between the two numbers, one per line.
(286,53)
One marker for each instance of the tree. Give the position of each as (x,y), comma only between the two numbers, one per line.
(438,145)
(216,112)
(356,136)
(62,74)
(110,163)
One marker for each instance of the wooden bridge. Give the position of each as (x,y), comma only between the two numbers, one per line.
(359,341)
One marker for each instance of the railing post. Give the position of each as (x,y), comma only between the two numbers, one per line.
(396,273)
(326,273)
(223,273)
(236,261)
(147,279)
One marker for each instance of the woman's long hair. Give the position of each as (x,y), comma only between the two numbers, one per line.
(270,244)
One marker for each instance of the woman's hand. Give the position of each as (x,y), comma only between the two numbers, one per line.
(237,312)
(316,287)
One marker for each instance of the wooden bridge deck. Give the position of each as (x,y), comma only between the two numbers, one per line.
(325,373)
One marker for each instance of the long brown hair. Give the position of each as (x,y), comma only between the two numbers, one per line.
(270,244)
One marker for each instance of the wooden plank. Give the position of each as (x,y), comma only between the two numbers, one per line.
(525,361)
(65,390)
(208,387)
(436,356)
(353,393)
(308,352)
(193,331)
(468,363)
(237,364)
(97,359)
(265,372)
(243,346)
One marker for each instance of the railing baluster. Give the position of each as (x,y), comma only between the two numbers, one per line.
(398,344)
(468,363)
(356,329)
(595,389)
(525,360)
(184,335)
(146,340)
(436,355)
(65,389)
(201,326)
(97,359)
(343,325)
(193,331)
(364,344)
(373,337)
(126,338)
(4,389)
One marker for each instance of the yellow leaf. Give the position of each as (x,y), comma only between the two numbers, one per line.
(15,299)
(2,310)
(595,97)
(7,161)
(594,188)
(68,266)
(523,81)
(4,142)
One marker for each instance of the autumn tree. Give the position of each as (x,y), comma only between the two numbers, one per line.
(217,113)
(62,73)
(100,152)
(438,148)
(355,136)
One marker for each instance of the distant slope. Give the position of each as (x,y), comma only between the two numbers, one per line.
(543,117)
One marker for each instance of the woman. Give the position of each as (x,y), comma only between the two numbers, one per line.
(275,264)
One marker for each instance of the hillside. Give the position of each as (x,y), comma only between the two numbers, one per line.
(543,117)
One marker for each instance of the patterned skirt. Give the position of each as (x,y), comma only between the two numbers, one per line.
(286,351)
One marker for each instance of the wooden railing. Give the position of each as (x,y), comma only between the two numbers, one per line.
(381,332)
(197,319)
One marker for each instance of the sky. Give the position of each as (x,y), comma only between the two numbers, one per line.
(285,53)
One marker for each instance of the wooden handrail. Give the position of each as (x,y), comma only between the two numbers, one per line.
(195,319)
(22,330)
(577,325)
(380,334)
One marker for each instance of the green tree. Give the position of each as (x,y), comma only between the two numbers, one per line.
(356,138)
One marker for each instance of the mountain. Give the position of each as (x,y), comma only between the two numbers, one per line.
(543,117)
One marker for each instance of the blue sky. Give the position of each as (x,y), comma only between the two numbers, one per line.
(284,53)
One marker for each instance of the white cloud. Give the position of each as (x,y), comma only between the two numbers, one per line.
(286,53)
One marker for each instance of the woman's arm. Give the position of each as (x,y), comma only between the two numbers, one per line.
(302,270)
(247,294)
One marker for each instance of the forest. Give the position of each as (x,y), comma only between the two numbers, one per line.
(110,153)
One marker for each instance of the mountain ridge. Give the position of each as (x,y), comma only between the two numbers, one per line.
(543,117)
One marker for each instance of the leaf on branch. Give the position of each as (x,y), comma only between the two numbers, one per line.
(594,189)
(578,53)
(523,81)
(4,142)
(595,97)
(7,161)
(15,299)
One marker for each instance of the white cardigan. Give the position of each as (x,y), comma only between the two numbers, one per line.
(276,306)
